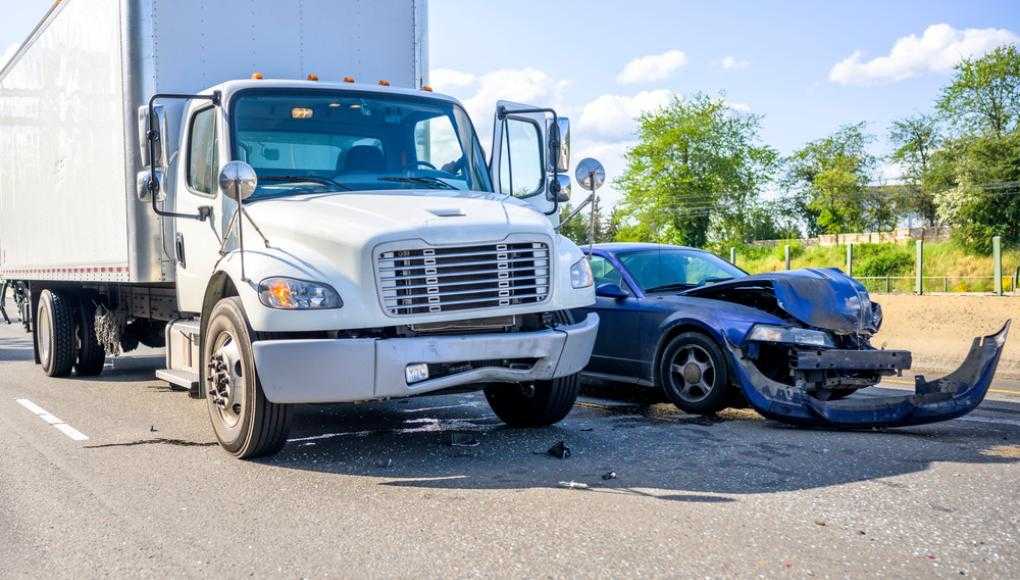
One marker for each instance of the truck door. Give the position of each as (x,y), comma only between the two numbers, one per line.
(197,243)
(522,164)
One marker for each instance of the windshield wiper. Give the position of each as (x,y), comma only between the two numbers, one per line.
(714,280)
(420,180)
(305,179)
(668,287)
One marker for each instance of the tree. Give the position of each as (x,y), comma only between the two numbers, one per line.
(984,96)
(829,182)
(696,170)
(917,139)
(576,229)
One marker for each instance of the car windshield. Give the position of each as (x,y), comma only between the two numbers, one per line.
(314,141)
(664,270)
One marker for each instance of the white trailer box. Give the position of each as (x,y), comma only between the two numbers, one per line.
(70,208)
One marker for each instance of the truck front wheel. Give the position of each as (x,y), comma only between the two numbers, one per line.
(55,326)
(246,423)
(537,404)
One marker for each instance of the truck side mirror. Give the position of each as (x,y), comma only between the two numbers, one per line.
(559,188)
(559,145)
(162,128)
(238,180)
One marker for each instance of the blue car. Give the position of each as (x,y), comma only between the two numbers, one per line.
(794,345)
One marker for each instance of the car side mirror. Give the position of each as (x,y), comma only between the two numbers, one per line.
(610,290)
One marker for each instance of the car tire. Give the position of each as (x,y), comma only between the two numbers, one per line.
(55,324)
(91,355)
(693,374)
(537,404)
(246,424)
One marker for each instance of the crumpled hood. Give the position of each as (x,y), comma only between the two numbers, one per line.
(360,218)
(821,298)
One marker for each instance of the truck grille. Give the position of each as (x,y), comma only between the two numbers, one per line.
(425,280)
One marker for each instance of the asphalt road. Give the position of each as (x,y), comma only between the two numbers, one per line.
(378,490)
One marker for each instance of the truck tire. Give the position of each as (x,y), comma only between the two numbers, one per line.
(55,324)
(537,404)
(91,354)
(247,425)
(693,374)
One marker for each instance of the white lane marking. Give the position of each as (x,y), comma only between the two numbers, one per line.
(53,420)
(973,419)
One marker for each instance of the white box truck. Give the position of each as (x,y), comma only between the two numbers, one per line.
(173,173)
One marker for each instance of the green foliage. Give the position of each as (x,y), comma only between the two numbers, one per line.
(917,138)
(984,96)
(883,259)
(829,178)
(695,174)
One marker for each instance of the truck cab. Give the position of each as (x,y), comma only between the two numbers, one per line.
(371,253)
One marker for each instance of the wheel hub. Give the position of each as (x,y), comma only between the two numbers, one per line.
(225,378)
(692,373)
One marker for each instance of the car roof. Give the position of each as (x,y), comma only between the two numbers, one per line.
(615,247)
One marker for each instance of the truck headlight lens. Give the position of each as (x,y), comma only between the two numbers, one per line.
(291,294)
(580,274)
(790,335)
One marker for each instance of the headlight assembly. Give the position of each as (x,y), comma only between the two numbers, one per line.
(580,274)
(291,294)
(790,335)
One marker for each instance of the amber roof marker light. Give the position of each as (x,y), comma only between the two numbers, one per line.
(348,79)
(313,77)
(257,76)
(427,88)
(384,83)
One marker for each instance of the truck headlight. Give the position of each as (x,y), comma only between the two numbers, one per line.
(791,335)
(291,294)
(580,274)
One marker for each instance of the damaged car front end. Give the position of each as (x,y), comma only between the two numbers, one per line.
(803,369)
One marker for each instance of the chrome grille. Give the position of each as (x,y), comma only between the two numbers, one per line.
(425,280)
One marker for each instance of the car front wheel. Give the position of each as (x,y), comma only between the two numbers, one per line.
(693,374)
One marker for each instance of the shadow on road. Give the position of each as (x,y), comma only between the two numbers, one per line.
(651,449)
(16,348)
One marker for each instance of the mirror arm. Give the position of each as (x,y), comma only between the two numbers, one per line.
(502,113)
(153,136)
(573,214)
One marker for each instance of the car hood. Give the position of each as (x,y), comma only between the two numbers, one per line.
(820,298)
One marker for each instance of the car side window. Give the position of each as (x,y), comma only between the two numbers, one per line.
(605,272)
(203,153)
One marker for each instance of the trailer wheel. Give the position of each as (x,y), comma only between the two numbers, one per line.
(55,324)
(247,425)
(91,354)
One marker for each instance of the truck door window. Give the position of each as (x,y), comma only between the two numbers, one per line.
(520,171)
(203,154)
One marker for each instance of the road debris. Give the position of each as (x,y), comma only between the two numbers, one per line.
(574,485)
(463,440)
(609,475)
(559,450)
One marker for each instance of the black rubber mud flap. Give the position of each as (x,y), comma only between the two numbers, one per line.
(949,397)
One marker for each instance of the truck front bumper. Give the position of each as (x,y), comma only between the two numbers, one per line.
(360,369)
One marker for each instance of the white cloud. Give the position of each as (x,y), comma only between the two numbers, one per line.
(7,54)
(480,93)
(733,63)
(612,117)
(653,67)
(447,79)
(938,49)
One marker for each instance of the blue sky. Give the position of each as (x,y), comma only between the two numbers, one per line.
(778,59)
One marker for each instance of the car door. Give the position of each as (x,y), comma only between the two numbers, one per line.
(618,344)
(197,243)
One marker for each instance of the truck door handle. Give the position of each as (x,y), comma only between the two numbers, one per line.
(180,251)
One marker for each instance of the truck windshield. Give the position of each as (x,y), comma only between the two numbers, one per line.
(316,141)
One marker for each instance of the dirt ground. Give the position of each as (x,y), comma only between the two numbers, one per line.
(939,328)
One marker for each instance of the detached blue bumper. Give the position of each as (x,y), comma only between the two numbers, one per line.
(952,396)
